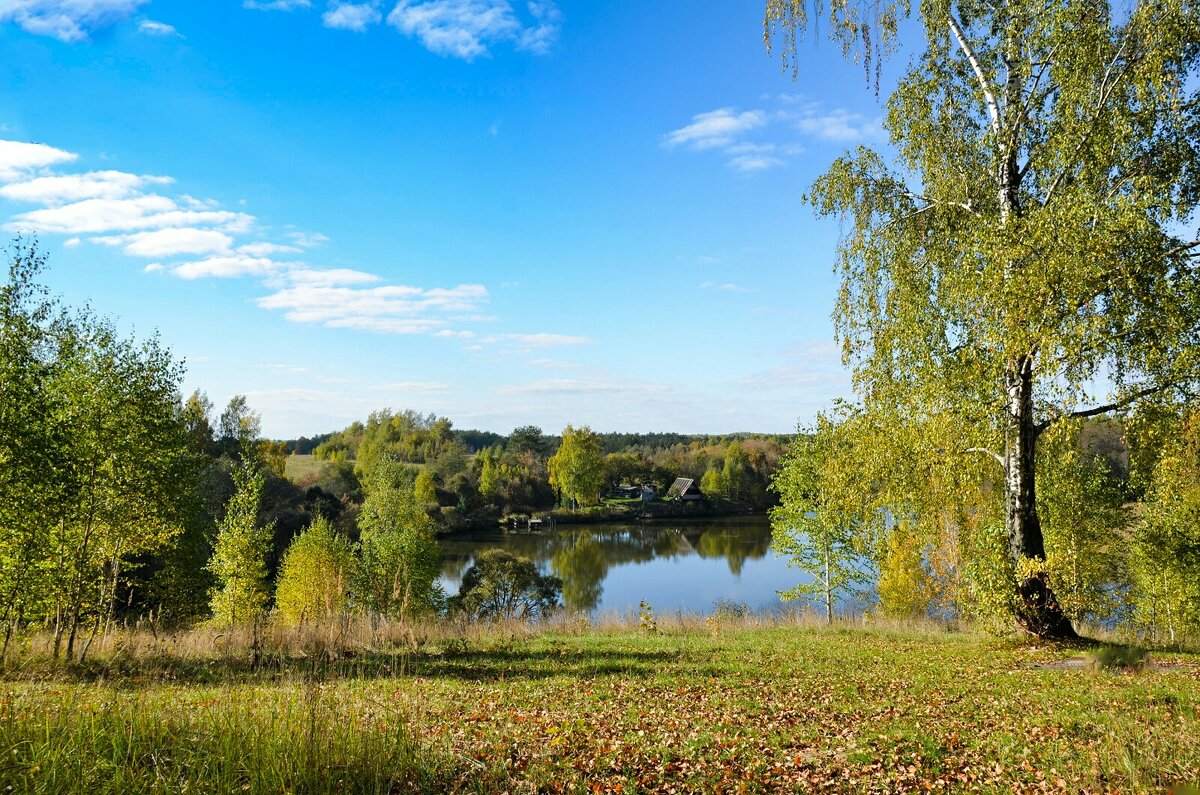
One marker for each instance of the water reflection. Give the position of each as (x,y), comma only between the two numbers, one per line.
(615,566)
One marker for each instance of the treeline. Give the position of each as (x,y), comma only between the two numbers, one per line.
(529,471)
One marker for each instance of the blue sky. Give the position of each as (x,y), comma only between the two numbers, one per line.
(503,212)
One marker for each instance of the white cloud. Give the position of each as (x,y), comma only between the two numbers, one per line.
(56,190)
(331,277)
(266,249)
(18,159)
(307,239)
(121,215)
(539,38)
(716,128)
(227,267)
(424,387)
(546,340)
(567,386)
(754,162)
(838,125)
(276,5)
(66,20)
(351,16)
(554,364)
(466,28)
(152,28)
(170,242)
(153,267)
(397,309)
(728,287)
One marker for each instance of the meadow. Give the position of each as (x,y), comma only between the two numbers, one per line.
(728,704)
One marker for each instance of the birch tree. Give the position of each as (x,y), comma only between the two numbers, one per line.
(817,524)
(1028,238)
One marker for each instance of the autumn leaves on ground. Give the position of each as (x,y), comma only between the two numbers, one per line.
(670,706)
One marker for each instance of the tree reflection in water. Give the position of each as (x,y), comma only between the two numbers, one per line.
(584,556)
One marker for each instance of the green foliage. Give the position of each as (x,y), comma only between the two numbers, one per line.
(1084,520)
(1024,243)
(1166,545)
(400,560)
(240,551)
(816,525)
(315,578)
(713,482)
(502,586)
(239,428)
(95,469)
(646,621)
(406,436)
(904,584)
(273,456)
(425,488)
(577,469)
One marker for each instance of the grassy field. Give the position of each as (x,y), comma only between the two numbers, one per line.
(692,707)
(299,467)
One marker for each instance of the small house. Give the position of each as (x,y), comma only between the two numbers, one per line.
(684,489)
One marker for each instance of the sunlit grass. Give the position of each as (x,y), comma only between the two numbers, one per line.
(726,704)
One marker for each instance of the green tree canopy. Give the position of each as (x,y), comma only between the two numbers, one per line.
(1026,240)
(501,586)
(577,469)
(315,577)
(239,560)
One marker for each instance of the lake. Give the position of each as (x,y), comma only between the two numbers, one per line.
(674,565)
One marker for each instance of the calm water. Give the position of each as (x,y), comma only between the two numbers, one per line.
(672,565)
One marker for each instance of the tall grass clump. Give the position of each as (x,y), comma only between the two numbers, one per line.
(305,738)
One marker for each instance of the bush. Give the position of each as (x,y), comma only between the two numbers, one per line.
(500,585)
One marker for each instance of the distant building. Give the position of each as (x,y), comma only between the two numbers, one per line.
(684,489)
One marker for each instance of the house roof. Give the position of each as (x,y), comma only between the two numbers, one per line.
(683,485)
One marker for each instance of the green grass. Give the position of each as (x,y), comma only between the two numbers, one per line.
(300,467)
(722,707)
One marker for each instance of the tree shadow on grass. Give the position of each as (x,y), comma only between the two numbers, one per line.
(480,665)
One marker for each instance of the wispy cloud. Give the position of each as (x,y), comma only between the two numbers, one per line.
(547,340)
(423,387)
(837,125)
(728,287)
(227,267)
(66,20)
(276,5)
(568,386)
(396,309)
(151,28)
(468,28)
(715,129)
(351,16)
(739,135)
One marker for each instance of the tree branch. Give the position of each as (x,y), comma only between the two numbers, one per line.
(1116,404)
(985,451)
(988,96)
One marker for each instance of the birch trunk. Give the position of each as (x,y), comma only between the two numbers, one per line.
(1038,611)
